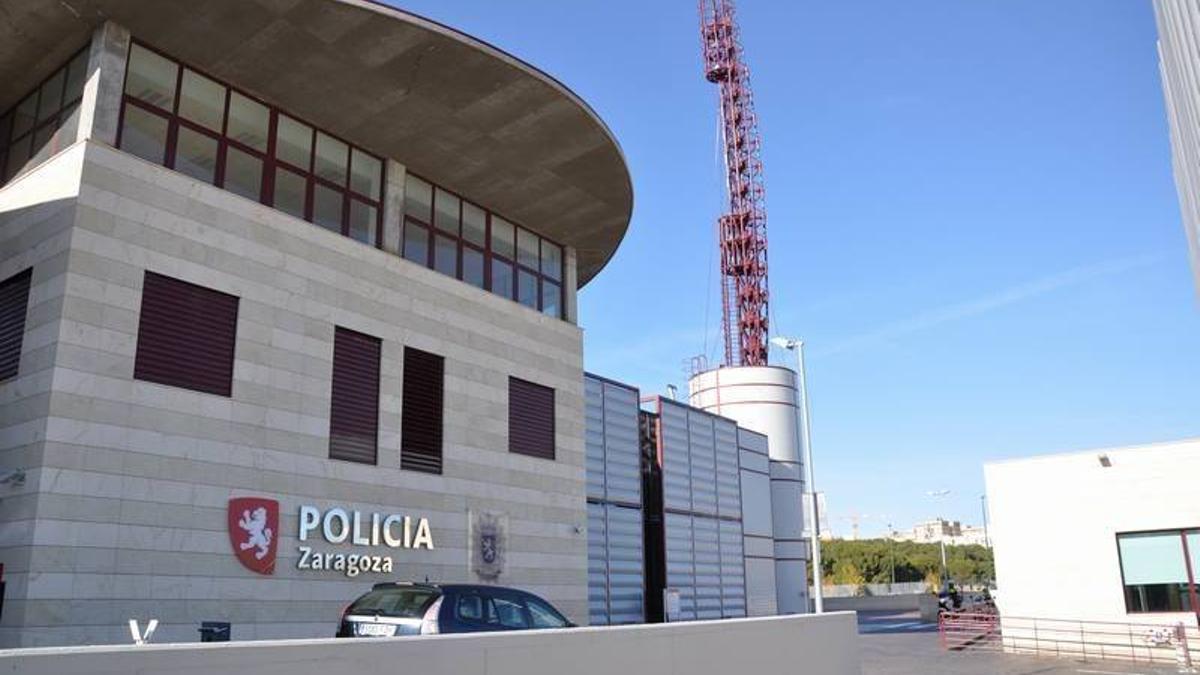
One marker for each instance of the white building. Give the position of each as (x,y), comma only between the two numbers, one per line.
(1178,50)
(1103,535)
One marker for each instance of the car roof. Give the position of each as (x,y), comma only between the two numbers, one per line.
(453,588)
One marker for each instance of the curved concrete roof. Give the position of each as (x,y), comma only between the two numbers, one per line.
(454,109)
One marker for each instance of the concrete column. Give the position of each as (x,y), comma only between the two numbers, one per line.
(570,281)
(393,205)
(100,109)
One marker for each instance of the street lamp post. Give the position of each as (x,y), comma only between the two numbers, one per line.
(892,546)
(987,540)
(938,494)
(805,438)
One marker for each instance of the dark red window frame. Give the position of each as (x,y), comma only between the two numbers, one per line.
(531,419)
(68,105)
(269,161)
(187,335)
(427,222)
(1193,584)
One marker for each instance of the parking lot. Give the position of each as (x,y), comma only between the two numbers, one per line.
(901,644)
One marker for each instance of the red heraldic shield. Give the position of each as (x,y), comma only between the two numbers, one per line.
(254,532)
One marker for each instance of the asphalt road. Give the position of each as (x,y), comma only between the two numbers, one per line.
(901,644)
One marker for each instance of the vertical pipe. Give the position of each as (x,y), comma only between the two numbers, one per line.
(806,438)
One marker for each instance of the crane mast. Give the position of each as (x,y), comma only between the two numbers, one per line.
(742,231)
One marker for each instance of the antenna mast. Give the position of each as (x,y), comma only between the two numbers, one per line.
(742,232)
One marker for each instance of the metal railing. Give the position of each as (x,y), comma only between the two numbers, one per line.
(1176,644)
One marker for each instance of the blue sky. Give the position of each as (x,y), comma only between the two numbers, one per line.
(972,223)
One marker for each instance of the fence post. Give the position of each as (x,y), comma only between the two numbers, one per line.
(1082,642)
(1037,645)
(1183,655)
(942,629)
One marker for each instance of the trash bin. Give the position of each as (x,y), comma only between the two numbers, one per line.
(214,631)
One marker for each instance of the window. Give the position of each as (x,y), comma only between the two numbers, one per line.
(509,612)
(354,397)
(543,615)
(14,301)
(459,239)
(421,411)
(44,121)
(180,118)
(186,335)
(1156,572)
(470,607)
(530,419)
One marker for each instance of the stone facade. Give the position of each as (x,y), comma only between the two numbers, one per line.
(122,513)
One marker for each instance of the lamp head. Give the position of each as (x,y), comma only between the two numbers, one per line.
(784,343)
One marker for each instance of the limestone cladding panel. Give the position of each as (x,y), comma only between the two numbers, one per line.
(137,476)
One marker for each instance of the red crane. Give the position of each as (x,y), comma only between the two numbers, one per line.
(742,232)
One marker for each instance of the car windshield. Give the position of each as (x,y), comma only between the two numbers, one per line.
(406,603)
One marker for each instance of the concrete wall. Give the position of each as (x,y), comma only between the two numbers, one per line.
(876,603)
(1054,522)
(814,645)
(129,480)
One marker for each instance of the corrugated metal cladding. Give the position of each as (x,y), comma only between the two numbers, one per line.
(616,569)
(354,406)
(530,419)
(703,520)
(14,301)
(186,335)
(421,411)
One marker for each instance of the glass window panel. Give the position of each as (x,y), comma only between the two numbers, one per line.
(418,198)
(68,126)
(23,116)
(202,100)
(196,155)
(363,222)
(416,243)
(502,278)
(1152,558)
(76,77)
(552,260)
(551,299)
(527,248)
(472,262)
(474,224)
(248,121)
(289,192)
(445,255)
(151,77)
(331,159)
(327,208)
(527,290)
(50,99)
(144,134)
(243,173)
(3,167)
(293,142)
(502,236)
(446,212)
(18,154)
(5,130)
(366,174)
(43,146)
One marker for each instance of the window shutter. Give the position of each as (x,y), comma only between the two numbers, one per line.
(354,409)
(530,419)
(186,335)
(14,301)
(421,411)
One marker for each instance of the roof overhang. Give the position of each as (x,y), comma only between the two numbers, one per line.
(452,108)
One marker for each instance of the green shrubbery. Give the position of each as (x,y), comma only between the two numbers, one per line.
(869,561)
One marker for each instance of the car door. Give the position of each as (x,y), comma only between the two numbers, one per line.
(471,612)
(509,610)
(542,615)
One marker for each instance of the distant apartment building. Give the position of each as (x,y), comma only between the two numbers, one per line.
(952,532)
(1179,63)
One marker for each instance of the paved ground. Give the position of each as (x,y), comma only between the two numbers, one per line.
(900,644)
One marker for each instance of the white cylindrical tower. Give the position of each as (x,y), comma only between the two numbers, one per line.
(765,399)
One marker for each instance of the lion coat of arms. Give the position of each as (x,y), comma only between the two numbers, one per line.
(488,542)
(253,532)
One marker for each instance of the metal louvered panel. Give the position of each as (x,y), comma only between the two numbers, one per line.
(626,569)
(421,411)
(676,471)
(622,450)
(703,463)
(733,570)
(354,397)
(186,335)
(680,570)
(597,566)
(594,436)
(14,304)
(530,419)
(729,492)
(708,567)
